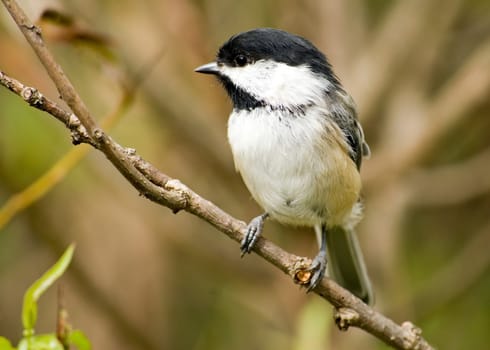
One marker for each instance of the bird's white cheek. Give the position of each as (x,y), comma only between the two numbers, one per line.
(279,84)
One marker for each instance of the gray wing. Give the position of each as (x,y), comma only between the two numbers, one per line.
(343,112)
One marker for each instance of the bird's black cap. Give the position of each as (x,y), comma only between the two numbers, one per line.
(265,44)
(277,45)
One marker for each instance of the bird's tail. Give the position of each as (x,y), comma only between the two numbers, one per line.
(346,264)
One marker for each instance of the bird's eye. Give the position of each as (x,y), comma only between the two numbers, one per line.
(241,60)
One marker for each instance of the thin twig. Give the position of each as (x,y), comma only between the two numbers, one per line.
(67,92)
(160,188)
(62,324)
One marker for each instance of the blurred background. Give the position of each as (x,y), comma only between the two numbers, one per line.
(144,278)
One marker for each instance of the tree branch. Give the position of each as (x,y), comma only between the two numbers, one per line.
(162,189)
(169,192)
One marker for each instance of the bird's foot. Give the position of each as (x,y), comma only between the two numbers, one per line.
(254,229)
(317,268)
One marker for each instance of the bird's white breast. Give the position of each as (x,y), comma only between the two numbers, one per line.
(295,166)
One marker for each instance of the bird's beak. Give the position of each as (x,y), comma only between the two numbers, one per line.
(209,68)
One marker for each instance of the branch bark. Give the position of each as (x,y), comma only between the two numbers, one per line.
(162,189)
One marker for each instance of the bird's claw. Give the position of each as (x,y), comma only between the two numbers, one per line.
(317,268)
(254,229)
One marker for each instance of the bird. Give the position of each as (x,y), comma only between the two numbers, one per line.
(298,144)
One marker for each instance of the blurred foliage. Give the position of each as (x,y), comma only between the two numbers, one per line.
(147,279)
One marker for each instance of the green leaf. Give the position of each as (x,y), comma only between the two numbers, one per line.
(32,295)
(40,342)
(79,339)
(5,344)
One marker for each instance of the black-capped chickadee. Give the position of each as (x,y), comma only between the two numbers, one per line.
(298,145)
